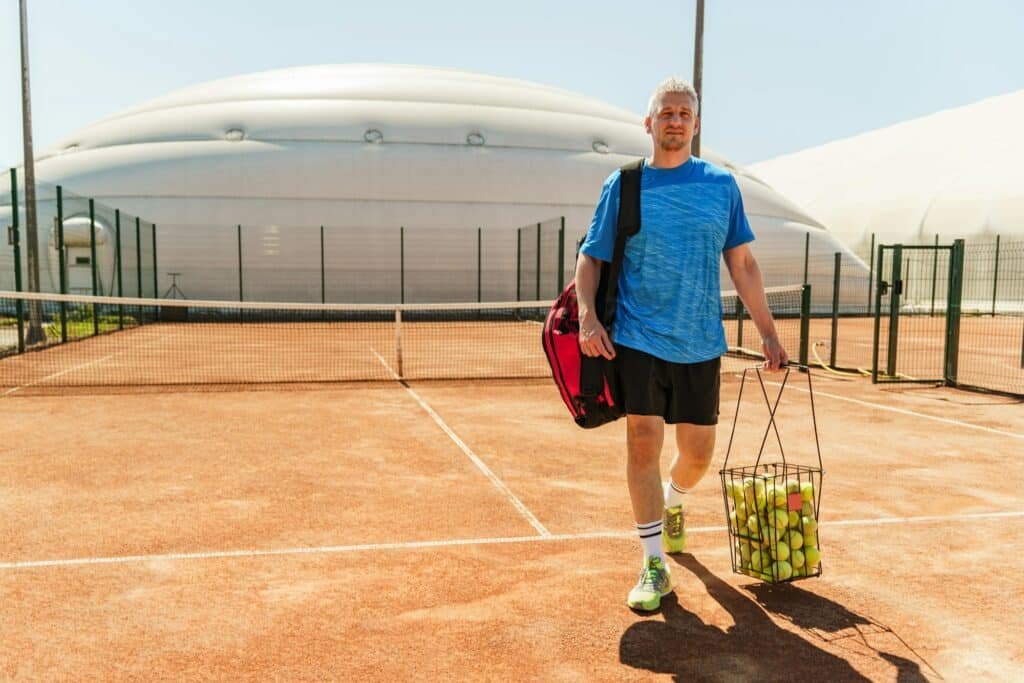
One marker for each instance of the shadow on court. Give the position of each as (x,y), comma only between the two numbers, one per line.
(755,648)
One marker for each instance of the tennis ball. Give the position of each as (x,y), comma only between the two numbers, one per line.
(797,559)
(792,486)
(756,560)
(795,539)
(745,553)
(799,571)
(807,491)
(781,519)
(780,551)
(794,519)
(812,556)
(807,509)
(810,524)
(741,512)
(752,524)
(782,569)
(811,538)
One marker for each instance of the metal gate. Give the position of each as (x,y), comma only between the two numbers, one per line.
(917,313)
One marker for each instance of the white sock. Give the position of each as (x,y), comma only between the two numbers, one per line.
(674,495)
(650,538)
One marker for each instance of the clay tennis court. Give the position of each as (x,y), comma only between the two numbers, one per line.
(467,530)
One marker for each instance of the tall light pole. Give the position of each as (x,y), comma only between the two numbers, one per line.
(35,330)
(698,69)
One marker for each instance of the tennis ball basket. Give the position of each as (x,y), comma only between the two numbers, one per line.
(772,508)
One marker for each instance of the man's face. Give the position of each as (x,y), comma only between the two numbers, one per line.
(674,123)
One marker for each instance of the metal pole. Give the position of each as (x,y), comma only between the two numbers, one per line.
(805,323)
(117,257)
(871,271)
(955,298)
(835,307)
(519,263)
(62,276)
(35,329)
(138,257)
(935,270)
(878,314)
(241,291)
(401,262)
(92,261)
(995,279)
(479,264)
(807,253)
(698,67)
(537,298)
(156,291)
(323,278)
(561,256)
(16,241)
(894,309)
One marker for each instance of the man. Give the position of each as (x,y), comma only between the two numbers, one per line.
(668,333)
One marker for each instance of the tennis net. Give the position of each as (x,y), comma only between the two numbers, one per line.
(52,340)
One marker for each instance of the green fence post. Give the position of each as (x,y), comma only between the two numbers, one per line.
(739,322)
(835,307)
(401,264)
(62,276)
(156,292)
(117,257)
(561,256)
(19,310)
(323,277)
(92,259)
(537,298)
(138,257)
(241,291)
(807,253)
(805,323)
(995,279)
(956,288)
(935,271)
(871,270)
(479,264)
(894,308)
(519,263)
(876,338)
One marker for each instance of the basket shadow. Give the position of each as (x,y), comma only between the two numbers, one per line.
(754,648)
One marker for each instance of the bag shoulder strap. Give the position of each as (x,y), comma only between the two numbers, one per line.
(628,224)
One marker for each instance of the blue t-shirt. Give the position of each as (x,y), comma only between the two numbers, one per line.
(669,303)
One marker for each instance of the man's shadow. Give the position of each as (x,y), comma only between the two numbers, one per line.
(754,648)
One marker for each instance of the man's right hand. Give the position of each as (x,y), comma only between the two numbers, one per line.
(594,339)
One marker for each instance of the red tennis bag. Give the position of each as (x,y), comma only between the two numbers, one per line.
(587,383)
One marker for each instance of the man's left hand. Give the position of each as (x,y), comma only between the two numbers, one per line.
(775,358)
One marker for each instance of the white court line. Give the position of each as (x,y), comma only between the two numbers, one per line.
(903,411)
(413,545)
(498,483)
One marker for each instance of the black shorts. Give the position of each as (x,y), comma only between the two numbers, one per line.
(678,392)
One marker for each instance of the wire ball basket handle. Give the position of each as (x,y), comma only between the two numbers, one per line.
(772,408)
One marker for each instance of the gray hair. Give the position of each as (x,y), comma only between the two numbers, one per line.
(672,85)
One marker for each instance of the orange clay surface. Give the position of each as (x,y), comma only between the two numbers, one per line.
(340,533)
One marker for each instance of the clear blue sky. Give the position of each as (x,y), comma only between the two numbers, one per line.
(779,76)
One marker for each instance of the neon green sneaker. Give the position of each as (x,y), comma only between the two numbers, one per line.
(673,531)
(655,582)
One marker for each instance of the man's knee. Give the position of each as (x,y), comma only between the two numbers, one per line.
(696,444)
(644,437)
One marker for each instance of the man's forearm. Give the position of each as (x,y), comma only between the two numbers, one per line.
(750,287)
(588,274)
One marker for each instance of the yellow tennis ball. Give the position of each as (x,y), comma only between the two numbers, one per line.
(810,524)
(782,570)
(745,553)
(807,509)
(794,519)
(752,524)
(792,486)
(811,538)
(781,519)
(799,571)
(741,513)
(807,491)
(795,539)
(780,551)
(812,556)
(797,559)
(756,560)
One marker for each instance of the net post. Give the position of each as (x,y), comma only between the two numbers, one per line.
(156,292)
(398,342)
(519,263)
(739,322)
(16,239)
(138,256)
(241,290)
(479,264)
(117,257)
(956,286)
(876,338)
(62,277)
(561,255)
(995,279)
(401,266)
(92,259)
(323,279)
(871,270)
(807,253)
(935,271)
(894,309)
(835,307)
(805,323)
(537,298)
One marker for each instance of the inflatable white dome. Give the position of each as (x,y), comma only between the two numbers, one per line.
(369,147)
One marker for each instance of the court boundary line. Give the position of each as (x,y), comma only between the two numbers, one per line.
(450,543)
(904,411)
(467,451)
